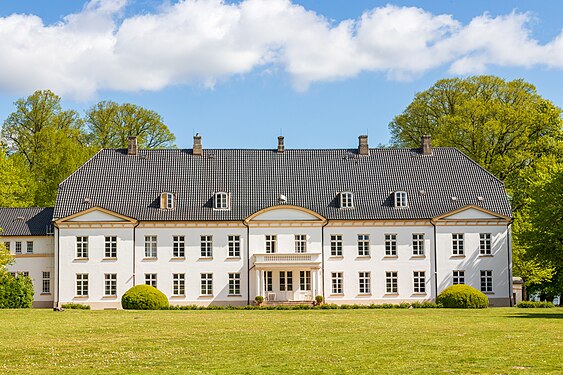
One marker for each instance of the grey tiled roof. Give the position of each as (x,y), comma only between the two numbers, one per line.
(130,185)
(32,221)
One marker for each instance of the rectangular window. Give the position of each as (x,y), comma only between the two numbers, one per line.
(364,280)
(391,282)
(7,244)
(206,284)
(81,284)
(346,200)
(178,284)
(484,243)
(29,248)
(82,247)
(337,282)
(150,247)
(487,281)
(46,289)
(400,199)
(268,287)
(178,246)
(458,277)
(336,245)
(271,244)
(391,245)
(305,280)
(418,244)
(221,201)
(363,244)
(234,246)
(110,285)
(150,279)
(234,284)
(111,247)
(18,247)
(457,244)
(286,281)
(206,244)
(300,243)
(419,281)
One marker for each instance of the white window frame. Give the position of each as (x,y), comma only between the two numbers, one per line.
(151,279)
(391,282)
(110,284)
(419,282)
(234,245)
(234,284)
(271,243)
(300,243)
(364,282)
(401,200)
(486,281)
(18,247)
(418,244)
(29,247)
(337,283)
(82,247)
(178,246)
(346,199)
(110,247)
(305,280)
(286,281)
(206,284)
(222,201)
(151,247)
(82,284)
(363,245)
(485,244)
(46,282)
(268,281)
(390,244)
(206,246)
(458,244)
(178,284)
(336,245)
(458,277)
(167,201)
(7,245)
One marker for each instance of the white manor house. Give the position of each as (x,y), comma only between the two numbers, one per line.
(223,226)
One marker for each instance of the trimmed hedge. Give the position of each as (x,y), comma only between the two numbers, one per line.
(16,292)
(535,304)
(144,297)
(75,306)
(462,296)
(326,306)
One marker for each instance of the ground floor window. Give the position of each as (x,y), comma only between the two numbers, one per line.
(234,284)
(364,279)
(419,281)
(391,282)
(286,281)
(268,287)
(150,279)
(305,280)
(46,282)
(179,284)
(337,283)
(110,287)
(81,284)
(487,281)
(207,284)
(458,277)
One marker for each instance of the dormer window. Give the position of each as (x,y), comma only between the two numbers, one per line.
(346,200)
(221,201)
(167,201)
(401,199)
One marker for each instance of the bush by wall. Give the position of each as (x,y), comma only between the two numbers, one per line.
(144,297)
(16,292)
(326,306)
(75,306)
(535,304)
(462,296)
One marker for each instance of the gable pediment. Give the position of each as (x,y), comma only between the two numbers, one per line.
(285,213)
(96,215)
(471,213)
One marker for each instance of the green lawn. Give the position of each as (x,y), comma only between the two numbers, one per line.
(422,341)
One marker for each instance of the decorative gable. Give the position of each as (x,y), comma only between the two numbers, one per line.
(471,213)
(97,215)
(285,213)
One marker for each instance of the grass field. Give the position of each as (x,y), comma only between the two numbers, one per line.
(419,341)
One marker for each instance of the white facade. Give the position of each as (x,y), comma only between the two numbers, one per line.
(282,253)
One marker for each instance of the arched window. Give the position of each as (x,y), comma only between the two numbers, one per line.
(401,199)
(167,201)
(346,199)
(221,201)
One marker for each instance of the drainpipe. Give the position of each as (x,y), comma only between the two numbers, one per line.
(58,256)
(435,263)
(134,251)
(247,262)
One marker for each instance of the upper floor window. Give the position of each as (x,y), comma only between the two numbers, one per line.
(234,246)
(484,243)
(150,247)
(82,247)
(29,248)
(7,244)
(391,245)
(418,244)
(178,246)
(221,201)
(300,243)
(271,243)
(457,244)
(167,201)
(363,245)
(111,247)
(336,245)
(18,247)
(346,200)
(206,246)
(401,199)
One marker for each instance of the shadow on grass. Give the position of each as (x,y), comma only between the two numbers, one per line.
(557,315)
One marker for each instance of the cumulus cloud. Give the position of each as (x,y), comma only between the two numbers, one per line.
(203,42)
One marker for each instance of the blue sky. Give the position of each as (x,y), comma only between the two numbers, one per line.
(239,73)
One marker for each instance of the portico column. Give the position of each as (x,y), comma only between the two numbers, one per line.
(257,282)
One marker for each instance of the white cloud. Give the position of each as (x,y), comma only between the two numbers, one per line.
(206,41)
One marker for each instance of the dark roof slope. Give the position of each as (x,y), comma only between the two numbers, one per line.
(130,185)
(31,221)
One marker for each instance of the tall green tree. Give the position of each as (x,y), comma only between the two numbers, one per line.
(110,124)
(51,141)
(505,126)
(16,185)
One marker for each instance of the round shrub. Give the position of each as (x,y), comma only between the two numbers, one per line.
(259,300)
(16,292)
(462,296)
(144,297)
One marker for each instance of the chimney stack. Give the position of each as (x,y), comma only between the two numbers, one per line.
(132,146)
(280,144)
(426,145)
(197,150)
(363,148)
